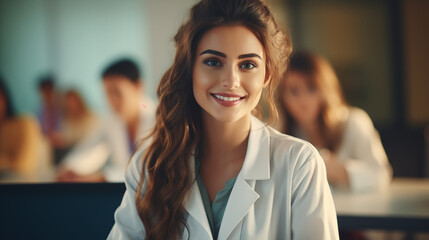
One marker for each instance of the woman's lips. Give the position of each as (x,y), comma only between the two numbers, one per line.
(226,99)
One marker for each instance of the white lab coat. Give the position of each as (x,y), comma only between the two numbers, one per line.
(281,192)
(362,153)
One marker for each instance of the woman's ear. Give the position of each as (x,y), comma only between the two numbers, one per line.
(267,82)
(267,79)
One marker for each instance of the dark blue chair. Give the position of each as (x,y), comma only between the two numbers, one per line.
(58,211)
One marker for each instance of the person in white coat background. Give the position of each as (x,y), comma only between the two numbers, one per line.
(210,169)
(313,108)
(104,154)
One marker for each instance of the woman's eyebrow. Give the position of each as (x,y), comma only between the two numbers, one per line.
(249,55)
(220,54)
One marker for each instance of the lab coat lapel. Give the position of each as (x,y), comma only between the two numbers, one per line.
(256,166)
(194,204)
(240,201)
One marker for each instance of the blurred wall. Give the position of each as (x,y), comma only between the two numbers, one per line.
(416,48)
(164,18)
(89,34)
(24,49)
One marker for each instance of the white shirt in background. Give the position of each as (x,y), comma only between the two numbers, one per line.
(107,148)
(362,153)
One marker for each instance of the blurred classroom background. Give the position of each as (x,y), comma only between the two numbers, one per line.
(378,48)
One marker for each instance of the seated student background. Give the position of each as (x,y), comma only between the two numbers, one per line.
(23,154)
(312,107)
(104,154)
(50,116)
(77,121)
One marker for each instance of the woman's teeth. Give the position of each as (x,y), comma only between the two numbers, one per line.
(229,99)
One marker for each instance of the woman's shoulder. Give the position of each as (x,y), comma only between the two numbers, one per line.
(278,140)
(26,119)
(26,123)
(289,150)
(285,141)
(357,113)
(358,120)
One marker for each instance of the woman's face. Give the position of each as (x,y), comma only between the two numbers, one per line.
(229,73)
(302,100)
(123,96)
(73,105)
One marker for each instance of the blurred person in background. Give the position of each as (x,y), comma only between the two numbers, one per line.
(124,89)
(312,107)
(49,116)
(78,121)
(21,147)
(104,155)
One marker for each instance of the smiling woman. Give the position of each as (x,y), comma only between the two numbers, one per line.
(231,76)
(211,170)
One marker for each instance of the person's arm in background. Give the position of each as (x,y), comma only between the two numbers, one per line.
(86,159)
(103,155)
(361,163)
(336,171)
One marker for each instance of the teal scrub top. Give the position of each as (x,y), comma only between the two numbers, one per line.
(216,210)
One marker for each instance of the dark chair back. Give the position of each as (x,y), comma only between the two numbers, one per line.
(58,211)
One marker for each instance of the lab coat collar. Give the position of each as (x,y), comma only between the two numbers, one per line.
(256,166)
(194,203)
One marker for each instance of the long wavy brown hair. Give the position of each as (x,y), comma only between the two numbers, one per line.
(320,75)
(166,176)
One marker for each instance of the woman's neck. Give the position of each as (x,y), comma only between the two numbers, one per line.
(309,128)
(224,141)
(313,133)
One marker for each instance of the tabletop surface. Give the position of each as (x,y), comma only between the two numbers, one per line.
(403,198)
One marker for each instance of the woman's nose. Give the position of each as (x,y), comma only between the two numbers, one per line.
(231,79)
